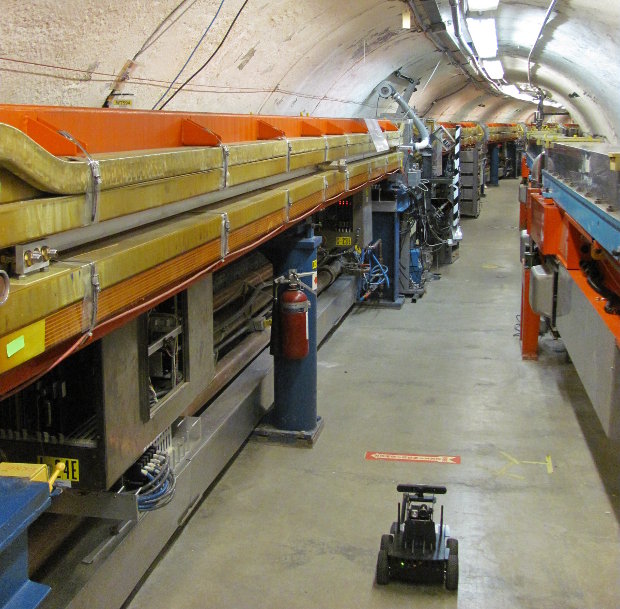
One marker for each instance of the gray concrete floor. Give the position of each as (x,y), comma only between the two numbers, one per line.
(300,528)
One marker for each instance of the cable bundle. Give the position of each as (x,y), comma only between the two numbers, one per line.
(156,484)
(375,273)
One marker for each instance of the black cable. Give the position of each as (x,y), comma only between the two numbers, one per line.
(206,63)
(157,34)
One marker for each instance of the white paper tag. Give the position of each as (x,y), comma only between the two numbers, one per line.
(377,135)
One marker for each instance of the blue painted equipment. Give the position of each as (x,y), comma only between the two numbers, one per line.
(494,167)
(415,265)
(294,413)
(22,502)
(390,202)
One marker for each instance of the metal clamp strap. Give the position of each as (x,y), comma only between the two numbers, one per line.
(5,286)
(289,149)
(288,205)
(225,230)
(225,156)
(92,289)
(92,194)
(326,148)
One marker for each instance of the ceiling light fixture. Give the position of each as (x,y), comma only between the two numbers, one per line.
(484,36)
(482,5)
(494,68)
(406,19)
(511,90)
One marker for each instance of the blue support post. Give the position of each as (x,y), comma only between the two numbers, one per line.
(294,414)
(494,151)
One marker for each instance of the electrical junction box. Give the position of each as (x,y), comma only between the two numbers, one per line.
(542,290)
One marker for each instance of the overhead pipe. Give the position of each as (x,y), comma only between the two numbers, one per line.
(542,27)
(456,6)
(386,90)
(433,37)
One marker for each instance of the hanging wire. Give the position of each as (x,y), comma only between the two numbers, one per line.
(219,8)
(206,63)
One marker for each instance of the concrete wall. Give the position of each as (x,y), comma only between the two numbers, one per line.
(299,56)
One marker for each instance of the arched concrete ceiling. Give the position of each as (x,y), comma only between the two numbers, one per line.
(313,56)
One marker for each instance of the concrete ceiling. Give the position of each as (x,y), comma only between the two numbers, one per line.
(304,56)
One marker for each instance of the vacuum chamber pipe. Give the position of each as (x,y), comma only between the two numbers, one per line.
(386,89)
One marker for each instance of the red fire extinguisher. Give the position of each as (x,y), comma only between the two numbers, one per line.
(294,306)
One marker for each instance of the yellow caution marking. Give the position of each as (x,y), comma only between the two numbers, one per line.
(513,461)
(510,457)
(71,467)
(314,264)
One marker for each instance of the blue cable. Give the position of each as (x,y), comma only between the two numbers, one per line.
(190,57)
(383,270)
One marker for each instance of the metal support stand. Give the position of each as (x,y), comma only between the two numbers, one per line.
(386,216)
(293,418)
(530,321)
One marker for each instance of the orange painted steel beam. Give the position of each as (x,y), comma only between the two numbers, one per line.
(546,224)
(115,130)
(530,321)
(525,170)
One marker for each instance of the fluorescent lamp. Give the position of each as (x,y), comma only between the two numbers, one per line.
(494,69)
(484,37)
(511,90)
(406,19)
(482,5)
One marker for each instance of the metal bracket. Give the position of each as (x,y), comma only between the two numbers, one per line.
(33,256)
(326,148)
(96,504)
(225,230)
(92,194)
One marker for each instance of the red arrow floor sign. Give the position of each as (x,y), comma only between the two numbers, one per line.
(372,456)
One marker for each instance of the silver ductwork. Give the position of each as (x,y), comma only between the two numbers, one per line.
(387,90)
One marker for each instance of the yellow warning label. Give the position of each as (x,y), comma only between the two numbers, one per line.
(72,467)
(343,240)
(122,102)
(314,264)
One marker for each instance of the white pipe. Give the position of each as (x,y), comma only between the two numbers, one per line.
(386,89)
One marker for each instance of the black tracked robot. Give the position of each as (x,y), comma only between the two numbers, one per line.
(417,549)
